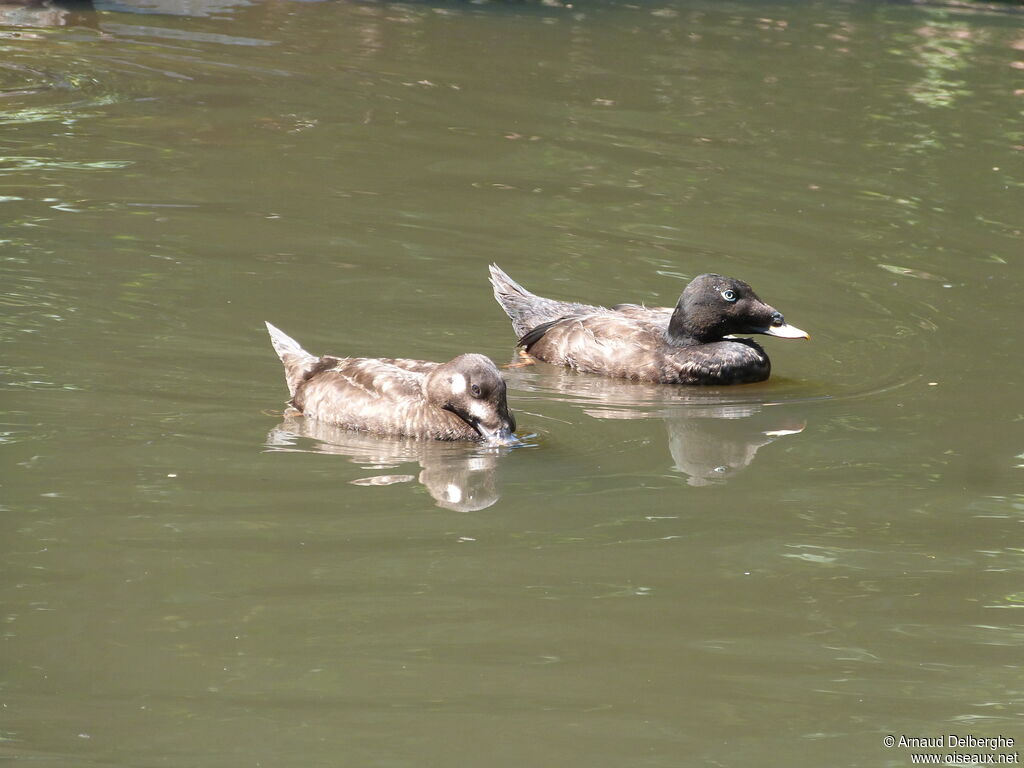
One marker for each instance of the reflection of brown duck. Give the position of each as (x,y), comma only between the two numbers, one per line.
(689,344)
(463,399)
(43,13)
(457,476)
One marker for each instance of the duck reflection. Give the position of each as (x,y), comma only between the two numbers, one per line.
(459,476)
(45,13)
(711,436)
(714,446)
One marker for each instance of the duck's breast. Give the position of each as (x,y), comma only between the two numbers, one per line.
(733,361)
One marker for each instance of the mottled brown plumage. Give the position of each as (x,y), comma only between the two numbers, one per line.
(684,345)
(463,399)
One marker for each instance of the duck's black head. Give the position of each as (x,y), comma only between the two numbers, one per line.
(471,387)
(713,307)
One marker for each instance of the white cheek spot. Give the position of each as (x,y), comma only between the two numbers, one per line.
(458,384)
(478,409)
(453,493)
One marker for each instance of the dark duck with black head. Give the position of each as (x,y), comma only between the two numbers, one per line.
(691,343)
(463,399)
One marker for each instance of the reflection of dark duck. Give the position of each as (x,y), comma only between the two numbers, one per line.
(458,477)
(463,399)
(687,344)
(711,440)
(713,446)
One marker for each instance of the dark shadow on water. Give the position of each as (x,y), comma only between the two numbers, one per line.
(459,476)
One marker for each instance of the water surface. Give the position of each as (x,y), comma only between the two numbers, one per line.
(773,574)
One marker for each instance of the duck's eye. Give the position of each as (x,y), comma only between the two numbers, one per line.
(729,295)
(475,389)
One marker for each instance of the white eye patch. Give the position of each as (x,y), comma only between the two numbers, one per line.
(453,493)
(458,384)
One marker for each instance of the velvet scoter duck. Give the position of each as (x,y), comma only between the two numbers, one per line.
(463,399)
(691,343)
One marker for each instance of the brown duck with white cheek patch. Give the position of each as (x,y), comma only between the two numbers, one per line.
(691,343)
(463,399)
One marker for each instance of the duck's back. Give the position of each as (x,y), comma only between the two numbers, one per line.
(658,316)
(380,395)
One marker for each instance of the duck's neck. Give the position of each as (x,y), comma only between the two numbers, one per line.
(681,333)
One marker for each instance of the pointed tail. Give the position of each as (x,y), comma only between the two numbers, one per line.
(505,288)
(527,310)
(297,361)
(519,304)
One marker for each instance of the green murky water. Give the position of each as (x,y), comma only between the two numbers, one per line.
(779,574)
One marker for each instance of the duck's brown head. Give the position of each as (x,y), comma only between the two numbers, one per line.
(471,387)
